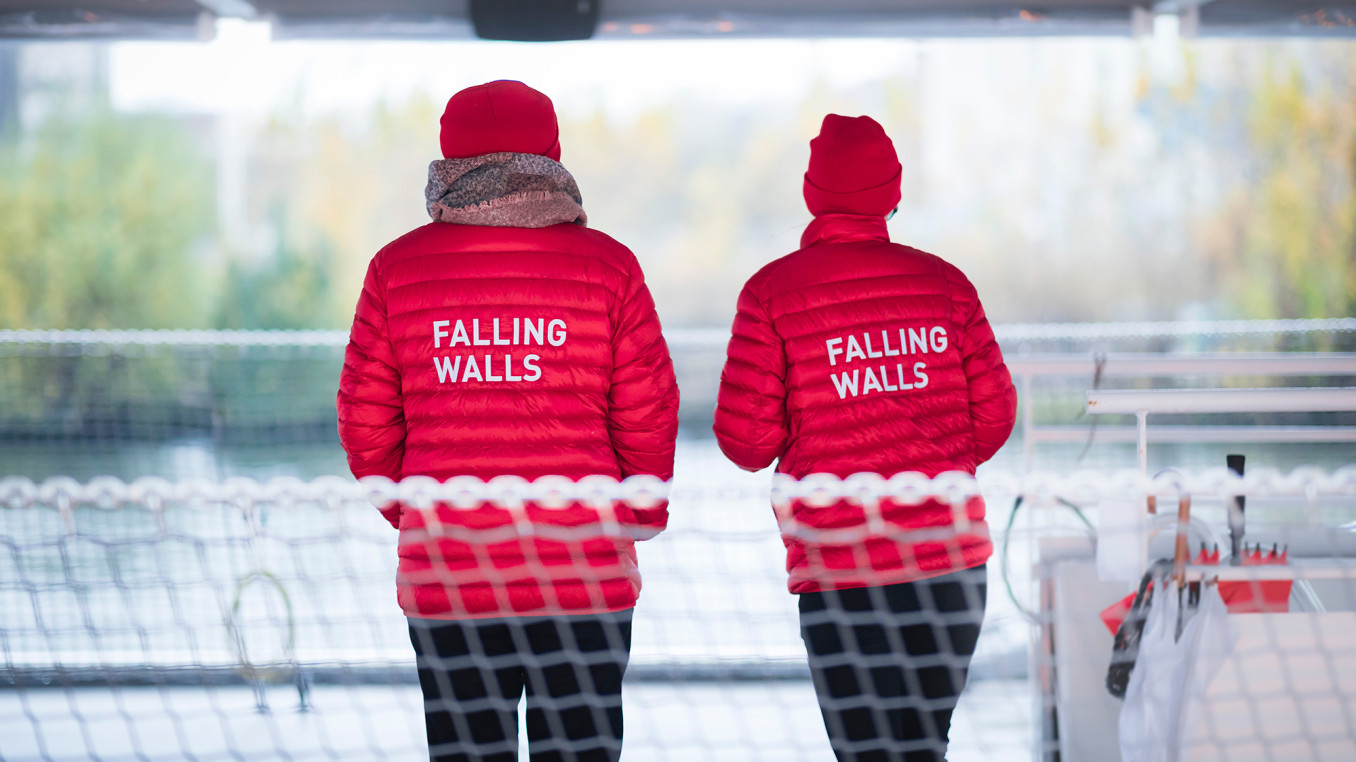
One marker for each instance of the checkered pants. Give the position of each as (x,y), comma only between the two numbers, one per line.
(474,672)
(889,663)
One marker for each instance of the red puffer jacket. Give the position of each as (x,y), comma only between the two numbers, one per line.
(485,351)
(858,355)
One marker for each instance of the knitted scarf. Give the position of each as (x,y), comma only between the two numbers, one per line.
(519,190)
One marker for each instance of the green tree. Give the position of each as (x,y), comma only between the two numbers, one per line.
(100,219)
(289,289)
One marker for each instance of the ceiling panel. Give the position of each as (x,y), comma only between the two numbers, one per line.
(120,19)
(1277,17)
(629,19)
(418,19)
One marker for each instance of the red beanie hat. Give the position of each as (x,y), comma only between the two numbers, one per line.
(853,168)
(500,116)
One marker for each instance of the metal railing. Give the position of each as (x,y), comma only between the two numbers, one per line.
(1026,368)
(700,352)
(700,338)
(1141,403)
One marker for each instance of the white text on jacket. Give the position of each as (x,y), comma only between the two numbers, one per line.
(885,377)
(515,332)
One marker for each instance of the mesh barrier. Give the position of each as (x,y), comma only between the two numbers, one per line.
(120,392)
(205,616)
(241,619)
(261,403)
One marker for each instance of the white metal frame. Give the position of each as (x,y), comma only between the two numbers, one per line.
(1025,368)
(717,338)
(1293,400)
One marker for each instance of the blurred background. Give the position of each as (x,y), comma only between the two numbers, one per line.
(245,182)
(191,190)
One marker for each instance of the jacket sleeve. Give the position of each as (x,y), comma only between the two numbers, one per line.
(642,418)
(750,420)
(370,406)
(993,399)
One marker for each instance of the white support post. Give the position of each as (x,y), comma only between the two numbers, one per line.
(1142,419)
(1028,419)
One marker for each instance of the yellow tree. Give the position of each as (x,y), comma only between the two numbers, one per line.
(1285,245)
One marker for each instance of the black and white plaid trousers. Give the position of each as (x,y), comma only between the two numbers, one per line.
(474,672)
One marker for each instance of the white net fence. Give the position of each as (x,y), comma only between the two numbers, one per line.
(256,620)
(218,404)
(242,604)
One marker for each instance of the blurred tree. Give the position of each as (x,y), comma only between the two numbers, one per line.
(1284,243)
(1066,192)
(100,219)
(334,191)
(290,288)
(697,193)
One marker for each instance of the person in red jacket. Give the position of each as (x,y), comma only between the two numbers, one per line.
(855,354)
(508,338)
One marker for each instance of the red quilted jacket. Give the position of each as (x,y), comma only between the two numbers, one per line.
(855,354)
(485,351)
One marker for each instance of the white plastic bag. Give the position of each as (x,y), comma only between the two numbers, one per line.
(1170,678)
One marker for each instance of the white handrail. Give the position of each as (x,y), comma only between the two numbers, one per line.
(697,338)
(1143,364)
(1291,400)
(1202,434)
(1168,328)
(1026,367)
(1141,403)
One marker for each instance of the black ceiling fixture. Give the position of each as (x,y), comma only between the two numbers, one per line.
(534,20)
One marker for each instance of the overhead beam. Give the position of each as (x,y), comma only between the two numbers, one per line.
(1188,14)
(640,19)
(229,9)
(1178,6)
(1316,18)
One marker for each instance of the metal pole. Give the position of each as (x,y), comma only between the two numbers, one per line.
(1028,439)
(1142,418)
(1236,525)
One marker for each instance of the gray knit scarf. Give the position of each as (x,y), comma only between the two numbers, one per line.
(519,190)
